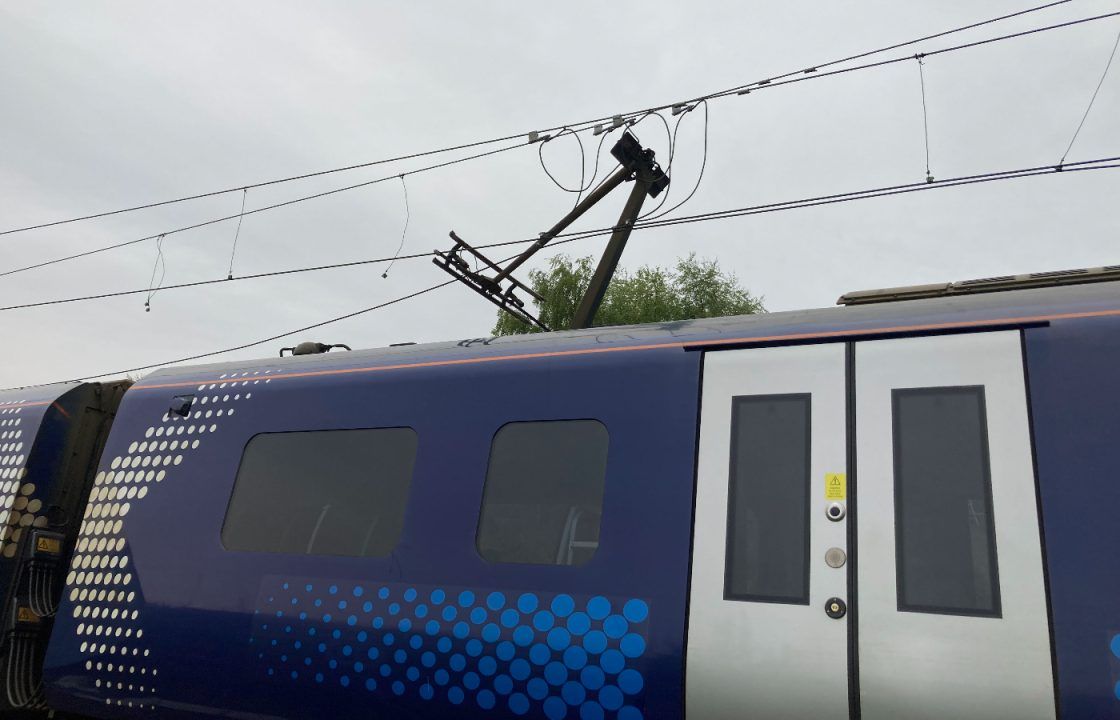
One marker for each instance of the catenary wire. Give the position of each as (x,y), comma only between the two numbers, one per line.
(943,33)
(1092,100)
(285,203)
(329,321)
(465,146)
(262,341)
(266,183)
(404,231)
(915,188)
(925,114)
(757,86)
(237,233)
(160,262)
(768,84)
(882,191)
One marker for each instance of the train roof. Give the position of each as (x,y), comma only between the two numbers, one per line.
(1008,308)
(35,395)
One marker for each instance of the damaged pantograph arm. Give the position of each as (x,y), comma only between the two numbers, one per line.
(497,284)
(491,288)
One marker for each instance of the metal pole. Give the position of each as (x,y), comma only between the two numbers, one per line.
(589,305)
(596,195)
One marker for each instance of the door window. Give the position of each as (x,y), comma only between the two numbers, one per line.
(768,500)
(945,534)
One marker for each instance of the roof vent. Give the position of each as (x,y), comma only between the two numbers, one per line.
(983,285)
(312,348)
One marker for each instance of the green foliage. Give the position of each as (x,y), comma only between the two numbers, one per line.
(694,289)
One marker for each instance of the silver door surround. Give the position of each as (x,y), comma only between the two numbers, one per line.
(755,659)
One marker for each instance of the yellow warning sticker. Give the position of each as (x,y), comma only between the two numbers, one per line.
(25,615)
(835,486)
(48,545)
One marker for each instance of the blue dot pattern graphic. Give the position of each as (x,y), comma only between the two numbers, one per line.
(1115,647)
(531,654)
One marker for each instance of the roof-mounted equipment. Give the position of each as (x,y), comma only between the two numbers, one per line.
(983,285)
(312,348)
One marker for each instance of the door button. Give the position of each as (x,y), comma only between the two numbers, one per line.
(835,557)
(835,608)
(835,511)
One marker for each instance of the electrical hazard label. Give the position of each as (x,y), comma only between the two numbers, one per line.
(835,486)
(48,545)
(25,615)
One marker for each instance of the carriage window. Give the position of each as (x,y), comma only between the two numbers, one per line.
(945,536)
(543,498)
(768,500)
(333,492)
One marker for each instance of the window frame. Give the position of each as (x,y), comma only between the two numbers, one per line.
(733,461)
(986,466)
(485,486)
(404,508)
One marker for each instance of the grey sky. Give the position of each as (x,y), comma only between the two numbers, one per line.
(117,103)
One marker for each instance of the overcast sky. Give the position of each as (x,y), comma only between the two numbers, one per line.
(104,105)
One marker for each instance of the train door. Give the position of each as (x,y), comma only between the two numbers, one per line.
(867,535)
(952,618)
(759,642)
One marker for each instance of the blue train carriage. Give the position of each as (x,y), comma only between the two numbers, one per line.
(50,438)
(889,509)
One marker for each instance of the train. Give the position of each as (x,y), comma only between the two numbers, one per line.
(901,507)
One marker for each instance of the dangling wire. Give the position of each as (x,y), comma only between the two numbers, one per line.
(407,216)
(1093,99)
(595,170)
(669,166)
(161,264)
(582,163)
(652,113)
(240,217)
(925,116)
(703,165)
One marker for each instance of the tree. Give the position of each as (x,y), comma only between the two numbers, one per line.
(694,289)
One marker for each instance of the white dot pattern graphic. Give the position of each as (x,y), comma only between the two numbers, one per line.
(102,584)
(19,507)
